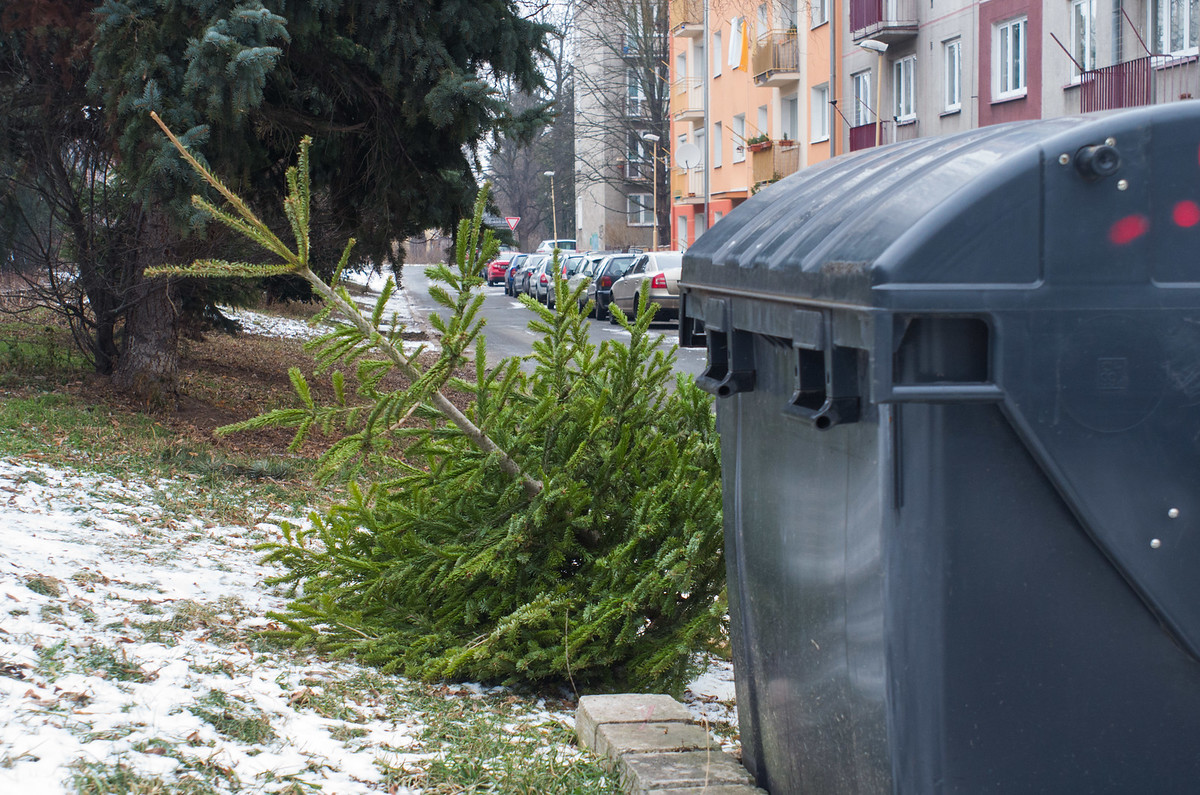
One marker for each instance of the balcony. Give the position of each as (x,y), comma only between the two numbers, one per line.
(687,185)
(636,108)
(1152,80)
(863,136)
(884,20)
(687,99)
(776,61)
(687,18)
(636,170)
(774,163)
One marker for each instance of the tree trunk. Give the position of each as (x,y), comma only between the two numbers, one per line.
(148,366)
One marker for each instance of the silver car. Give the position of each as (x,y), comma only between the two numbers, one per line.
(657,274)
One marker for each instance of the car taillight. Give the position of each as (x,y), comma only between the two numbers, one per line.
(659,281)
(605,282)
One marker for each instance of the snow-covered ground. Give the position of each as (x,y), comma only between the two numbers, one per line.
(127,643)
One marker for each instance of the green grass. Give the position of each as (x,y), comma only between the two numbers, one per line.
(497,744)
(118,778)
(233,717)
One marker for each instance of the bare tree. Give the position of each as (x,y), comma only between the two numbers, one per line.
(622,95)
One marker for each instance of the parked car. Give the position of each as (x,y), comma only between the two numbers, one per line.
(606,272)
(548,246)
(655,271)
(525,277)
(496,270)
(542,282)
(510,275)
(585,271)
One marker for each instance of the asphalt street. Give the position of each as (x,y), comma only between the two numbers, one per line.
(507,328)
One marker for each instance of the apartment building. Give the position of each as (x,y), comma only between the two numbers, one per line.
(903,69)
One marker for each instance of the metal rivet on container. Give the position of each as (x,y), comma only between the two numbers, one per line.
(1110,141)
(1173,513)
(1155,543)
(1063,159)
(1122,184)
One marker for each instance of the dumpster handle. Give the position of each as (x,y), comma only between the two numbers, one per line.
(944,393)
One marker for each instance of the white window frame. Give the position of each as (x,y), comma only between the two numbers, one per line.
(861,112)
(718,53)
(904,89)
(1008,75)
(1083,35)
(635,98)
(952,75)
(718,143)
(739,138)
(1188,12)
(681,230)
(818,113)
(764,121)
(681,71)
(639,209)
(818,13)
(1009,62)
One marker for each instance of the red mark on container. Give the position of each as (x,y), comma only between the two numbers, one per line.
(1128,229)
(1186,213)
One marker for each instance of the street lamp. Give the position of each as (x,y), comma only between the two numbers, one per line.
(876,46)
(653,140)
(553,207)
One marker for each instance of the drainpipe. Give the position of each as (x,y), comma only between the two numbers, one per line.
(707,143)
(834,12)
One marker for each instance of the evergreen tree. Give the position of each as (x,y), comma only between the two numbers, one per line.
(565,527)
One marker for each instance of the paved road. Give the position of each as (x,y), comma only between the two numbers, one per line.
(507,324)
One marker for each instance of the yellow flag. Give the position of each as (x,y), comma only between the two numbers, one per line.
(745,64)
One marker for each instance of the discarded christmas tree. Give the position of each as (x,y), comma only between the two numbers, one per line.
(564,527)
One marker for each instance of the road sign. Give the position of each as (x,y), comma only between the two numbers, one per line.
(512,220)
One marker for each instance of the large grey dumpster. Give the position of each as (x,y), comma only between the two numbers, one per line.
(959,386)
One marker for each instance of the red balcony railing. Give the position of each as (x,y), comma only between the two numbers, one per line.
(884,19)
(1123,85)
(1143,81)
(862,137)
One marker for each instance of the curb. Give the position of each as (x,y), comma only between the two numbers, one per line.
(655,747)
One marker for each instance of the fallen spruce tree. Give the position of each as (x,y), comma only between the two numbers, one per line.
(564,528)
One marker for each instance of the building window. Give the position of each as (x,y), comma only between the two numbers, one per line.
(640,209)
(818,113)
(718,143)
(681,67)
(636,100)
(762,27)
(953,86)
(820,12)
(1083,34)
(718,52)
(904,89)
(764,125)
(861,112)
(739,138)
(681,230)
(789,118)
(1176,25)
(1008,76)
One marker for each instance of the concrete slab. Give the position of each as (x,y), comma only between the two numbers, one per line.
(625,708)
(726,789)
(645,773)
(615,739)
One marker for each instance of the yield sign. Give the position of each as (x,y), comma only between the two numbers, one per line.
(512,221)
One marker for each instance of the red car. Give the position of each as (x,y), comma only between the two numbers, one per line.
(496,270)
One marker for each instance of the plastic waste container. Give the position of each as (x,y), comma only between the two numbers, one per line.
(959,402)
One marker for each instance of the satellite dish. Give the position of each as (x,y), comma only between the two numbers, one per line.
(688,155)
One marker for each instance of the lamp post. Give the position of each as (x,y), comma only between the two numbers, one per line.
(879,47)
(653,140)
(553,207)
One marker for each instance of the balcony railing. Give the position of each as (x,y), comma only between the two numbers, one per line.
(687,184)
(687,17)
(776,57)
(886,20)
(768,165)
(1151,80)
(636,170)
(687,98)
(863,136)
